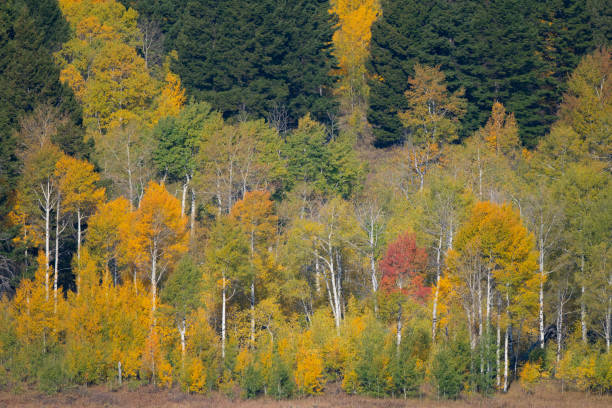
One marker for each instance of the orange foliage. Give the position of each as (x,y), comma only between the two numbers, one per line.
(501,130)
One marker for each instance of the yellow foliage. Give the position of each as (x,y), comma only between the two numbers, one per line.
(586,367)
(501,131)
(30,233)
(350,383)
(309,371)
(197,376)
(77,182)
(101,65)
(171,99)
(33,309)
(530,375)
(352,46)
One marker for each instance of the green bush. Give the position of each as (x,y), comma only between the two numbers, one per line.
(483,356)
(407,377)
(370,368)
(449,369)
(251,382)
(52,375)
(279,383)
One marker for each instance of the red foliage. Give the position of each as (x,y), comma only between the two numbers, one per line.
(403,267)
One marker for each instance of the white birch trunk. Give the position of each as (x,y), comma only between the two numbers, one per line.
(182,330)
(193,214)
(184,197)
(79,235)
(559,328)
(153,282)
(55,272)
(47,205)
(398,339)
(434,317)
(498,352)
(583,324)
(223,305)
(506,360)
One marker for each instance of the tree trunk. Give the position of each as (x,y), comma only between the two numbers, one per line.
(335,294)
(182,330)
(193,214)
(480,320)
(55,272)
(129,171)
(184,197)
(559,328)
(506,360)
(253,312)
(607,323)
(583,324)
(488,320)
(373,272)
(47,238)
(153,282)
(317,274)
(223,305)
(434,317)
(253,289)
(498,351)
(479,177)
(541,299)
(398,339)
(79,234)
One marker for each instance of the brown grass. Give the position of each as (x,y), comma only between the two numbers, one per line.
(547,395)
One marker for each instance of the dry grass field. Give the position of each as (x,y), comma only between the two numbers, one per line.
(547,395)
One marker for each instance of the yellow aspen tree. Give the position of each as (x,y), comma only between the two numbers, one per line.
(101,64)
(501,131)
(81,196)
(161,232)
(108,236)
(309,374)
(432,117)
(171,99)
(36,324)
(40,188)
(494,261)
(351,47)
(255,212)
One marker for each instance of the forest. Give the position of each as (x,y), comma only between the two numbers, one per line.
(395,198)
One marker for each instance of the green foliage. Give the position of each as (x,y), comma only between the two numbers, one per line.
(449,369)
(586,367)
(252,382)
(483,356)
(329,165)
(269,57)
(52,375)
(267,373)
(184,287)
(30,31)
(406,370)
(371,365)
(511,51)
(178,140)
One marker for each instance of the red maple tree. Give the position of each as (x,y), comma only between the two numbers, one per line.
(403,268)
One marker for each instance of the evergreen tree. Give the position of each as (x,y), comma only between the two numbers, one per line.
(517,52)
(260,57)
(30,31)
(409,32)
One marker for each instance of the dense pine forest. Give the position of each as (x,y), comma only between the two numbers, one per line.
(398,198)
